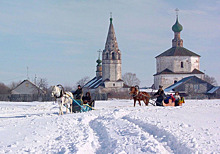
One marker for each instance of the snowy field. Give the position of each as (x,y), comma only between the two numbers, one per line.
(114,127)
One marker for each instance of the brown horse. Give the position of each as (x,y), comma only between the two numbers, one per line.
(140,96)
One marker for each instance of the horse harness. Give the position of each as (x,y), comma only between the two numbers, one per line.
(139,93)
(61,94)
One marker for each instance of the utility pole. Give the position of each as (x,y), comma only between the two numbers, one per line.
(27,74)
(35,79)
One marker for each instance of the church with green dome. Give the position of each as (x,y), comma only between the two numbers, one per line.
(177,62)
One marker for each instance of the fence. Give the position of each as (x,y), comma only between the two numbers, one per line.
(26,97)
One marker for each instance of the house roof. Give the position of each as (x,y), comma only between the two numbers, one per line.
(96,82)
(30,83)
(177,84)
(178,51)
(213,90)
(183,81)
(167,71)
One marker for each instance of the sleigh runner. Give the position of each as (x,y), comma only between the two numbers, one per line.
(78,106)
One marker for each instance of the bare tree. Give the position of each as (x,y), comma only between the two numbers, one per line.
(83,81)
(210,80)
(4,89)
(131,79)
(14,84)
(68,88)
(42,84)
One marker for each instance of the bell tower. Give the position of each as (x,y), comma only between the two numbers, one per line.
(111,57)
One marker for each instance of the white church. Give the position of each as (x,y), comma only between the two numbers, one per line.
(177,62)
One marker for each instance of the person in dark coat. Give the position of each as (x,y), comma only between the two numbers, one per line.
(78,93)
(177,98)
(88,99)
(160,96)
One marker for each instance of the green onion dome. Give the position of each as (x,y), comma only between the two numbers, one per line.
(177,27)
(99,62)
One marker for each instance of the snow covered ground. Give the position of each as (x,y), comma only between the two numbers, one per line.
(114,127)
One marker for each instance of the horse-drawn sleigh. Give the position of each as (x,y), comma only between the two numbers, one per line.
(166,100)
(66,99)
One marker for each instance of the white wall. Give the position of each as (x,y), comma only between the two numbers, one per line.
(109,84)
(173,63)
(111,69)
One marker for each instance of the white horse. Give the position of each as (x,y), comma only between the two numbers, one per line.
(63,98)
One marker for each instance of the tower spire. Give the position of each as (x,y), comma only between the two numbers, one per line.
(111,56)
(111,42)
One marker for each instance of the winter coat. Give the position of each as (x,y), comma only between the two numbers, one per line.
(160,96)
(86,99)
(78,93)
(177,98)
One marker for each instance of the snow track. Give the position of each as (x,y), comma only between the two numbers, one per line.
(120,136)
(168,140)
(116,127)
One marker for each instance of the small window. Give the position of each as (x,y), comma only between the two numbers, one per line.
(106,55)
(196,87)
(113,84)
(181,64)
(175,81)
(113,55)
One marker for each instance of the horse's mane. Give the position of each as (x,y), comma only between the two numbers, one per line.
(59,85)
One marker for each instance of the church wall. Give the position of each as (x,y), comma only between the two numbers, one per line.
(110,84)
(163,63)
(111,70)
(105,71)
(195,61)
(173,63)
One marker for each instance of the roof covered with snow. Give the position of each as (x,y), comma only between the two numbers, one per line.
(214,89)
(94,83)
(175,85)
(167,71)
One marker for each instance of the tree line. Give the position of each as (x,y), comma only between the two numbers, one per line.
(129,78)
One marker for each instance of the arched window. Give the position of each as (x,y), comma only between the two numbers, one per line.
(181,64)
(106,56)
(113,55)
(175,81)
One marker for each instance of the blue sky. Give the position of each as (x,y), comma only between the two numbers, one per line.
(58,40)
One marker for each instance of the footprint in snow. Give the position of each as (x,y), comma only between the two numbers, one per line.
(58,138)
